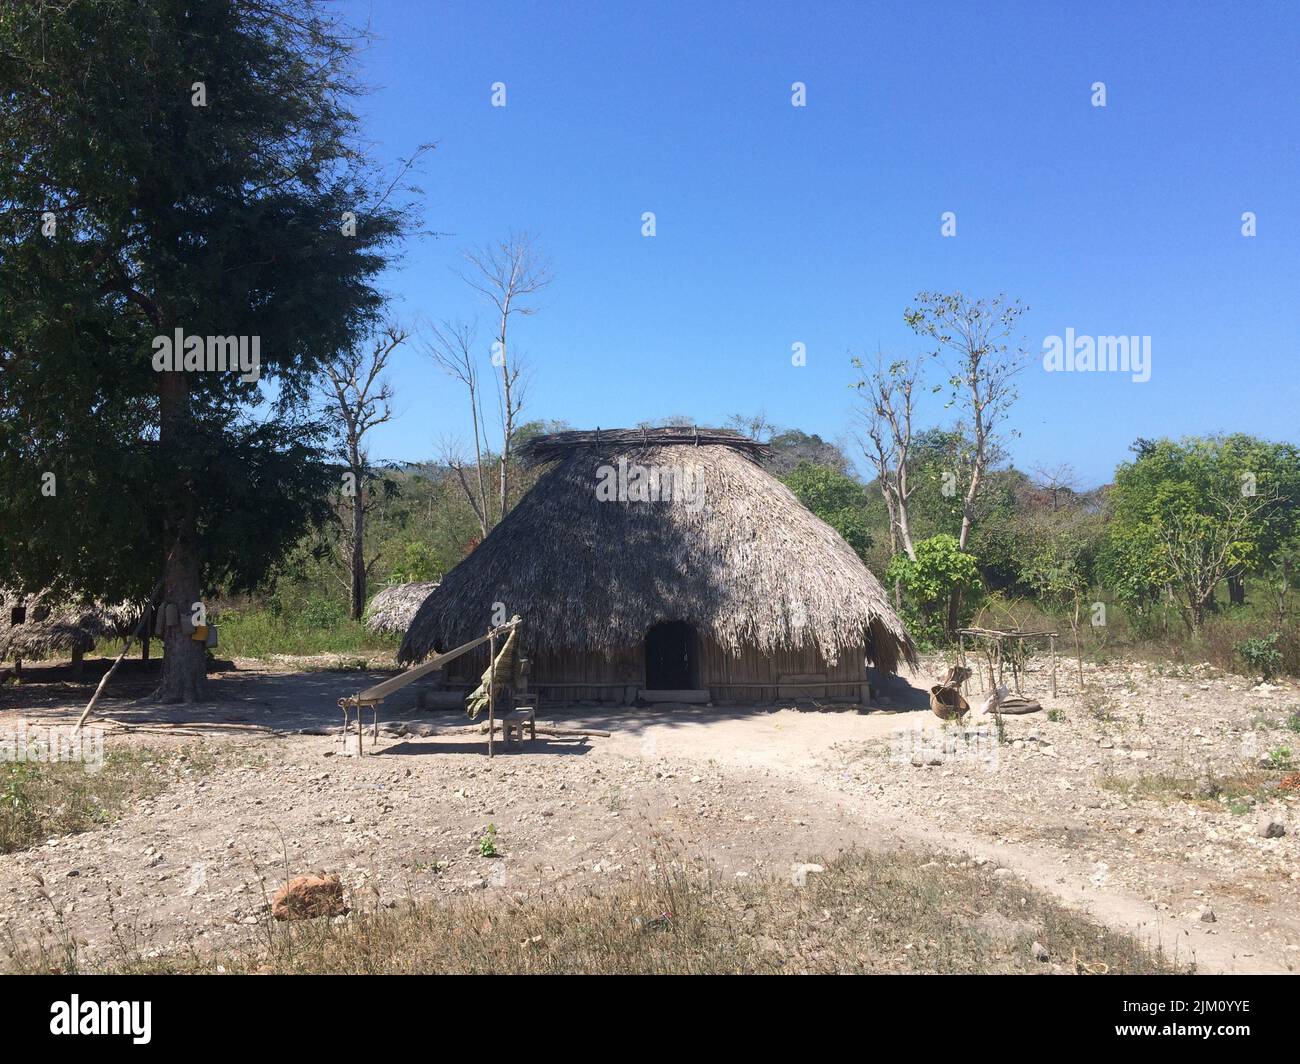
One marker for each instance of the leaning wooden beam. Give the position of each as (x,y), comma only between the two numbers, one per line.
(382,690)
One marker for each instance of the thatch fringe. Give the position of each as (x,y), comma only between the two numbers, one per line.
(392,609)
(750,567)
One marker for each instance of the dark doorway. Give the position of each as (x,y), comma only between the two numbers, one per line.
(670,657)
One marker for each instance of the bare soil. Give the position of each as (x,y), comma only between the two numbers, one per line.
(1108,805)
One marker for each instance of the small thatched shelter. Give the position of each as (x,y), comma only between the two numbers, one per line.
(393,608)
(53,629)
(667,560)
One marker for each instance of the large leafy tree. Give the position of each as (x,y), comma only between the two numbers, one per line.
(837,499)
(173,165)
(1187,515)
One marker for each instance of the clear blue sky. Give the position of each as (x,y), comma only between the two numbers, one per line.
(817,225)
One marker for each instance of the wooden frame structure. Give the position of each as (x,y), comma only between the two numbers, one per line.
(994,656)
(373,696)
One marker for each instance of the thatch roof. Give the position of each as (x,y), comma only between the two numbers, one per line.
(750,567)
(392,609)
(539,449)
(52,629)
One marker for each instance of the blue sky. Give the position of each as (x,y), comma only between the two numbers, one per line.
(817,225)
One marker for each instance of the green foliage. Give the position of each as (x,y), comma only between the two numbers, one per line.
(837,499)
(1170,513)
(1261,655)
(941,570)
(420,562)
(261,633)
(220,220)
(487,845)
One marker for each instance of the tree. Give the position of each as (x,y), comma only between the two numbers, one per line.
(1057,482)
(975,333)
(355,387)
(451,346)
(887,423)
(837,499)
(1060,571)
(227,201)
(1188,515)
(940,573)
(507,274)
(1202,549)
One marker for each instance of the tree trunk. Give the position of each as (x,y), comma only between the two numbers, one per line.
(507,417)
(1237,590)
(184,659)
(358,560)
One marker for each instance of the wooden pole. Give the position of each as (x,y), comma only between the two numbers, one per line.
(492,689)
(1052,640)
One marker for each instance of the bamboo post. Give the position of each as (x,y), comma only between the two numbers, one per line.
(1052,640)
(492,689)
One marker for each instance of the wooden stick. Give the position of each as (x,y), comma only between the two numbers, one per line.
(139,628)
(1053,642)
(547,729)
(492,687)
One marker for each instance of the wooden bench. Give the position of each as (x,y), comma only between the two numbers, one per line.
(514,722)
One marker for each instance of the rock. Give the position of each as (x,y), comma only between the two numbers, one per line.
(1207,915)
(799,873)
(1039,952)
(305,897)
(1268,826)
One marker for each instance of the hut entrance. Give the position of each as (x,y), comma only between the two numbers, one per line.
(670,657)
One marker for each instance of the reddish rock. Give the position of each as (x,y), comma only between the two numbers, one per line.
(304,897)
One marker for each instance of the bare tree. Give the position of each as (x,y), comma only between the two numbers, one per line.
(507,275)
(1057,480)
(355,388)
(451,346)
(886,419)
(975,333)
(756,426)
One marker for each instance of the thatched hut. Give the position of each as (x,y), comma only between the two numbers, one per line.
(667,564)
(394,607)
(32,628)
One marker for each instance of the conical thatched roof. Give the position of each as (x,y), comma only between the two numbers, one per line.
(749,567)
(51,629)
(392,609)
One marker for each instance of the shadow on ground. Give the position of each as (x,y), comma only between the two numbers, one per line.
(293,701)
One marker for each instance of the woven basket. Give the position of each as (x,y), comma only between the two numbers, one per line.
(947,702)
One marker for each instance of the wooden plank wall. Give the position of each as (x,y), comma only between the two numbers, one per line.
(598,678)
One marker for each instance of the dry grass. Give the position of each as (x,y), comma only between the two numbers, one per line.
(1209,791)
(867,913)
(39,800)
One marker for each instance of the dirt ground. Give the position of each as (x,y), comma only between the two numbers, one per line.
(1095,800)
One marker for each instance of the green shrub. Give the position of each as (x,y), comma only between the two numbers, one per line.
(940,571)
(1261,654)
